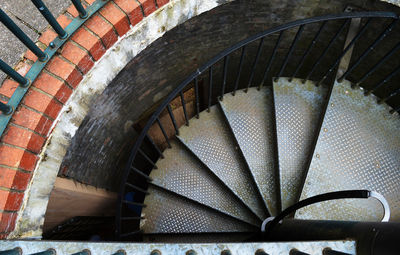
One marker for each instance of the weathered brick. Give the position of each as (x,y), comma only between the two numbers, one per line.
(42,103)
(77,56)
(162,2)
(48,36)
(21,180)
(53,86)
(10,201)
(89,42)
(23,138)
(22,68)
(90,1)
(73,11)
(102,29)
(64,70)
(32,120)
(14,157)
(63,20)
(14,179)
(8,87)
(149,6)
(132,9)
(7,223)
(116,17)
(29,55)
(7,176)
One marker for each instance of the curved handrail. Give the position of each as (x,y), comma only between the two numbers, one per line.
(269,223)
(193,77)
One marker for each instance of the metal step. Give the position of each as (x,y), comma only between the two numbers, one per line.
(210,139)
(358,148)
(170,213)
(250,116)
(298,109)
(182,173)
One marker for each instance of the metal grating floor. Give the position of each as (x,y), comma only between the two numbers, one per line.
(298,109)
(210,139)
(250,115)
(182,173)
(358,148)
(172,214)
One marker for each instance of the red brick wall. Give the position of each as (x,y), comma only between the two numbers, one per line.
(30,126)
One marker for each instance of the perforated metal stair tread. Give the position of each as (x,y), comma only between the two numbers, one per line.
(250,116)
(210,139)
(358,148)
(182,173)
(170,213)
(298,109)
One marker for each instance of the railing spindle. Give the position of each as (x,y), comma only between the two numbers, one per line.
(210,81)
(393,94)
(395,110)
(15,251)
(164,133)
(348,47)
(271,59)
(84,252)
(24,82)
(184,108)
(329,251)
(155,146)
(134,169)
(297,252)
(333,39)
(131,233)
(120,252)
(79,7)
(137,188)
(383,81)
(196,92)
(132,218)
(147,158)
(310,47)
(239,70)
(289,54)
(369,49)
(172,117)
(50,18)
(253,68)
(5,108)
(133,203)
(47,252)
(379,63)
(22,36)
(226,61)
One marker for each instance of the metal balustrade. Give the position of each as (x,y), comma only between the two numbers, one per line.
(43,55)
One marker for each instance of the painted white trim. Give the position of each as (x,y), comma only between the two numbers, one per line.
(31,215)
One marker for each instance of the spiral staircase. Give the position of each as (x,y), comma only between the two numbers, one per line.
(286,148)
(274,154)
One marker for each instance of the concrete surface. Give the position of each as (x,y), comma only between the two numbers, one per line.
(29,19)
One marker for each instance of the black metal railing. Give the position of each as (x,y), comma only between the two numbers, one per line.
(43,55)
(206,75)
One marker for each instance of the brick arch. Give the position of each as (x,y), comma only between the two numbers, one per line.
(35,141)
